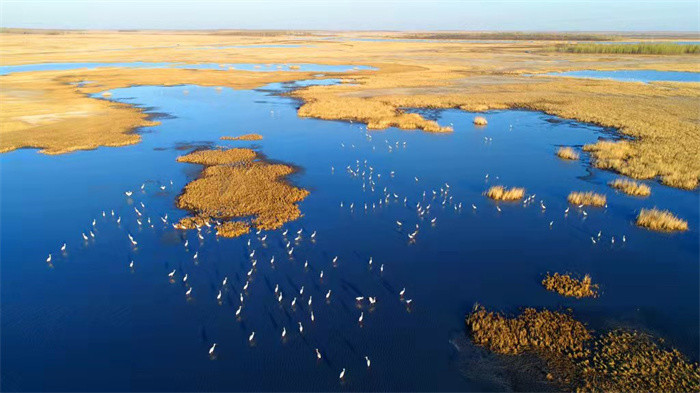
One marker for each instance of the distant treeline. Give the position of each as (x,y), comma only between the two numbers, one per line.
(638,49)
(509,36)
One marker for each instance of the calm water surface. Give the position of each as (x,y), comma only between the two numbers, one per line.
(89,322)
(634,75)
(4,70)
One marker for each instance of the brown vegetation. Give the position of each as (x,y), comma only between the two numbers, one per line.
(661,117)
(480,121)
(567,153)
(661,220)
(233,186)
(246,137)
(587,199)
(630,187)
(500,193)
(619,361)
(531,330)
(566,285)
(232,229)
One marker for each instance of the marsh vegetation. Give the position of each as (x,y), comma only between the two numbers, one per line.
(633,49)
(566,285)
(631,187)
(587,199)
(661,220)
(567,153)
(500,193)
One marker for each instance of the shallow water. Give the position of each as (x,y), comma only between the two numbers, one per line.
(89,322)
(634,75)
(4,70)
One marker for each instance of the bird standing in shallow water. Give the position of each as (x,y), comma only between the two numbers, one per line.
(368,362)
(211,350)
(342,374)
(318,354)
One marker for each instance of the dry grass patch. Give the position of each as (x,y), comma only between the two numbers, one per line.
(566,285)
(630,187)
(500,193)
(661,220)
(531,331)
(619,361)
(245,137)
(567,153)
(233,186)
(626,361)
(232,229)
(587,199)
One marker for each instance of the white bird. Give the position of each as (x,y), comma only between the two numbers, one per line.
(566,211)
(362,317)
(370,261)
(279,298)
(131,264)
(301,328)
(318,354)
(284,332)
(313,235)
(189,292)
(593,240)
(238,312)
(473,206)
(171,274)
(245,287)
(498,208)
(368,362)
(48,260)
(294,302)
(251,337)
(310,298)
(263,238)
(433,220)
(402,292)
(211,350)
(218,297)
(196,254)
(328,295)
(312,316)
(119,219)
(408,302)
(321,275)
(624,239)
(306,265)
(359,298)
(162,187)
(291,250)
(184,279)
(187,242)
(92,235)
(372,300)
(223,283)
(94,222)
(128,193)
(63,247)
(335,259)
(112,213)
(252,254)
(301,291)
(381,268)
(277,288)
(342,374)
(137,212)
(285,232)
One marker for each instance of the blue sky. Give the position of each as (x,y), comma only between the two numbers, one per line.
(545,15)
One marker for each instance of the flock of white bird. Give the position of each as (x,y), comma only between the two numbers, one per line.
(372,181)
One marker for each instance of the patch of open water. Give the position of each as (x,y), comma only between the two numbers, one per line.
(89,322)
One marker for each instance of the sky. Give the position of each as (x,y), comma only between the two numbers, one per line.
(504,15)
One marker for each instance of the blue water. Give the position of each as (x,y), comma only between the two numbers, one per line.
(634,75)
(4,70)
(88,322)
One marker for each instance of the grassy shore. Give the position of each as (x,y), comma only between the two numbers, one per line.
(633,49)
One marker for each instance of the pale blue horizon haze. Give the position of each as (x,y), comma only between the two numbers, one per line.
(503,15)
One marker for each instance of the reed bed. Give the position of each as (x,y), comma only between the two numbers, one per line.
(587,199)
(244,137)
(566,285)
(531,330)
(508,36)
(625,361)
(661,220)
(234,186)
(567,153)
(218,156)
(632,49)
(631,187)
(500,193)
(617,361)
(232,229)
(480,121)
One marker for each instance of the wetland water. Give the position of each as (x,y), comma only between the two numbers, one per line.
(267,67)
(634,75)
(89,322)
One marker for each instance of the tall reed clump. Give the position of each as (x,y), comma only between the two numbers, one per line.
(566,285)
(632,49)
(232,185)
(587,199)
(617,361)
(500,193)
(661,220)
(567,153)
(630,187)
